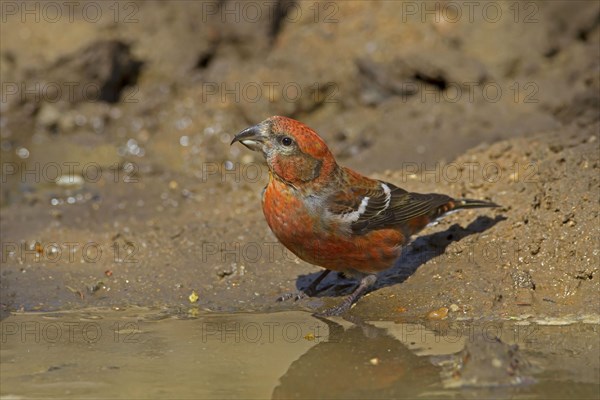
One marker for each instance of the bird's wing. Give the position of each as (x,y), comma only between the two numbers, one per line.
(382,205)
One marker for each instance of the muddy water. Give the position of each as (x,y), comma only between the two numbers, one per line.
(140,353)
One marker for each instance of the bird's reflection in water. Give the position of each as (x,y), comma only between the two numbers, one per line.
(357,362)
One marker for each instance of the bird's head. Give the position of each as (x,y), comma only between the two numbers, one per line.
(294,152)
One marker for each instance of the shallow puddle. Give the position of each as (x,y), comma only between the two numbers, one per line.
(151,354)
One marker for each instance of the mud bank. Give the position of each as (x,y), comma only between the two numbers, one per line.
(153,205)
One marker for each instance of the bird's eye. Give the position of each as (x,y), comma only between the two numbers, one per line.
(286,141)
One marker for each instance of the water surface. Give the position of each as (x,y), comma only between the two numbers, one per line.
(139,353)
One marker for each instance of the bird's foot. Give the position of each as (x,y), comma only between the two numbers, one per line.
(337,310)
(292,295)
(310,291)
(345,305)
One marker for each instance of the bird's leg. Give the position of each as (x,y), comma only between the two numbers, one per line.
(309,291)
(364,285)
(312,288)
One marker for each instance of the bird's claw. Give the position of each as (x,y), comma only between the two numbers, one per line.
(300,294)
(336,311)
(292,295)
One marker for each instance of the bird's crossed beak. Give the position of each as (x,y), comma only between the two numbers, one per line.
(253,137)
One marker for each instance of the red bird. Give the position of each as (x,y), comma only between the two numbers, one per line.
(331,216)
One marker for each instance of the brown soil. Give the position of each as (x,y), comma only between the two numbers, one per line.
(166,207)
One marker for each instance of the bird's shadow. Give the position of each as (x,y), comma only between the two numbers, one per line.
(418,252)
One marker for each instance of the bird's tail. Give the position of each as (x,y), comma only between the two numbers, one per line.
(450,206)
(469,203)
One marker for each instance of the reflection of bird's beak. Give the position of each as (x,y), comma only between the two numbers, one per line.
(253,137)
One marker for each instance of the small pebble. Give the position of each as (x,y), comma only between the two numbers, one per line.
(440,313)
(193,297)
